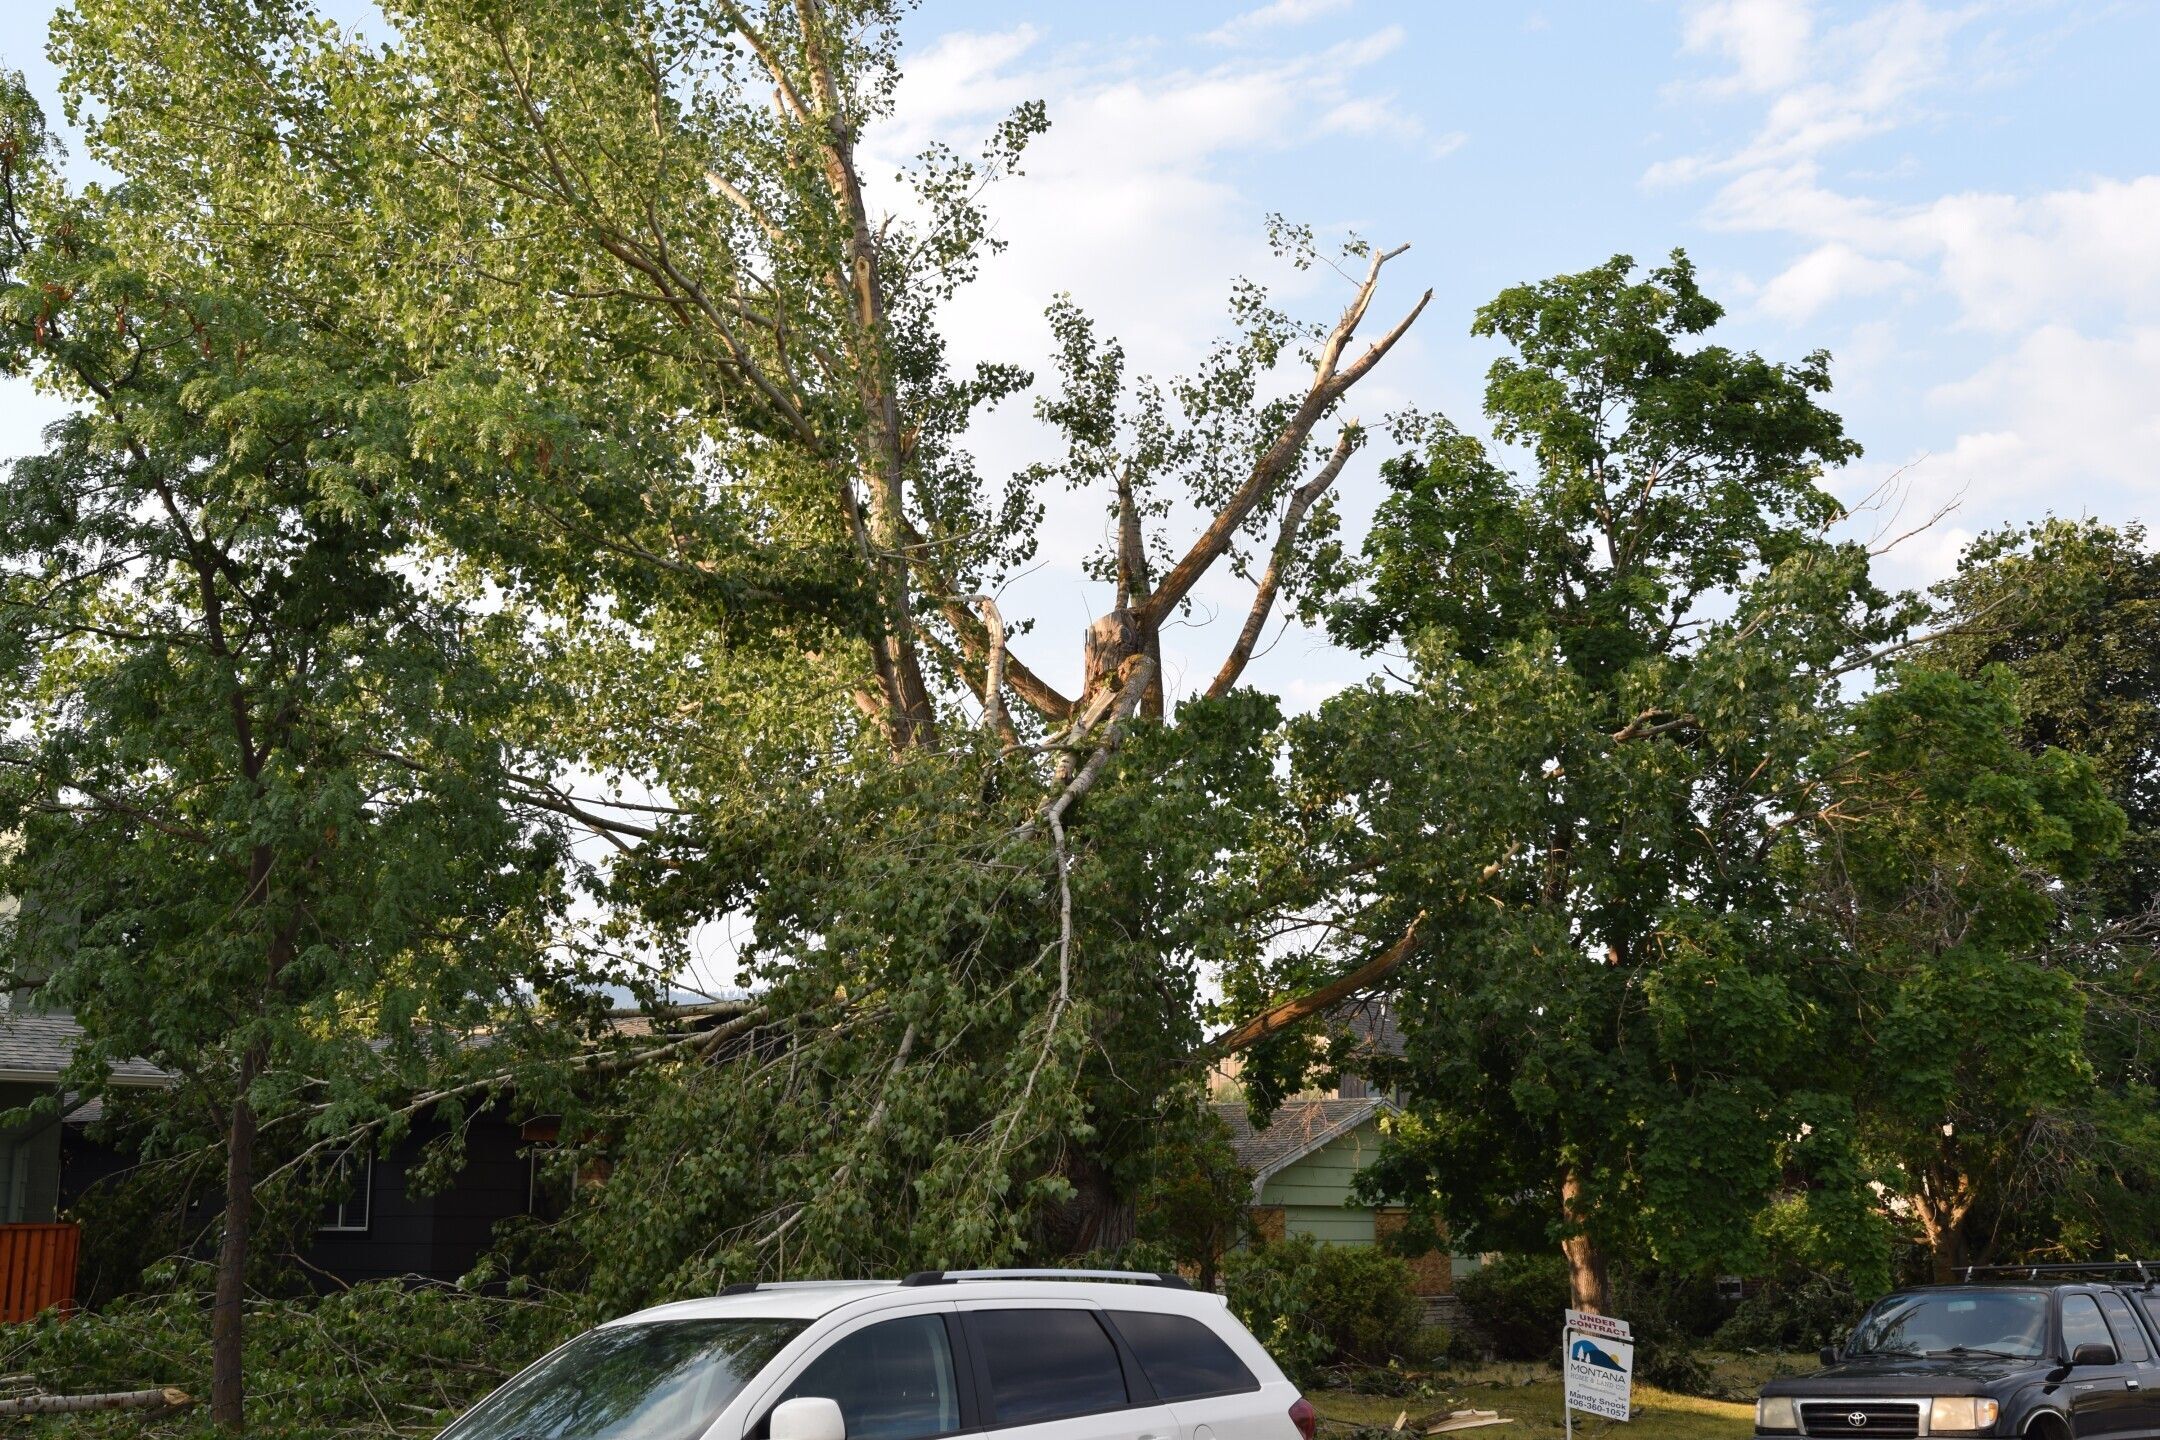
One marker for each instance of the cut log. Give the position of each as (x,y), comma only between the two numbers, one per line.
(169,1397)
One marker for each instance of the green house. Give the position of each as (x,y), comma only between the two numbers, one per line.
(1305,1165)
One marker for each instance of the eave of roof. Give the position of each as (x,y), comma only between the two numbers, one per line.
(1338,1118)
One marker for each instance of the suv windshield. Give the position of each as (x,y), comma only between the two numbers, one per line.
(660,1381)
(2009,1323)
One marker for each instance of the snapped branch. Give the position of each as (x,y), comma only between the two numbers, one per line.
(1302,500)
(1295,1011)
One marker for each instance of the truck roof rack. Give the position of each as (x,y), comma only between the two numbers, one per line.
(1165,1278)
(2143,1269)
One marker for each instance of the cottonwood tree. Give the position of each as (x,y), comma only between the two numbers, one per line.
(1624,663)
(632,257)
(248,756)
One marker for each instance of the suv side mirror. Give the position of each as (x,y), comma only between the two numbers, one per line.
(1830,1355)
(808,1417)
(2093,1353)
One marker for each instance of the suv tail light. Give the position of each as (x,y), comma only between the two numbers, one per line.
(1302,1416)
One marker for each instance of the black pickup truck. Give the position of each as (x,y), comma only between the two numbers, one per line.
(2055,1360)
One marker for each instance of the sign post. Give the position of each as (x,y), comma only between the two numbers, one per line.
(1597,1367)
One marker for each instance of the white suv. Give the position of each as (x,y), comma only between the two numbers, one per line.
(1025,1354)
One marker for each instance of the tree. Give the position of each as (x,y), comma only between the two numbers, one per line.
(1943,871)
(249,751)
(2065,609)
(1624,666)
(628,255)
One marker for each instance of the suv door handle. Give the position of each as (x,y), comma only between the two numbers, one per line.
(2132,1384)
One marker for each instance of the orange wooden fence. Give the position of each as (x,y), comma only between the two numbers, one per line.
(37,1269)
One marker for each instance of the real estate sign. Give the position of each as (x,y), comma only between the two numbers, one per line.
(1599,1364)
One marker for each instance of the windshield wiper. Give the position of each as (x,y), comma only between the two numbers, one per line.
(1972,1350)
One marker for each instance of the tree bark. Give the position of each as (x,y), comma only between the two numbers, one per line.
(1589,1282)
(227,1379)
(1942,1226)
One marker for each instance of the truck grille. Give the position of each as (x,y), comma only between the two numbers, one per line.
(1860,1417)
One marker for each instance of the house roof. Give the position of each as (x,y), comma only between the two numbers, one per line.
(1299,1128)
(37,1046)
(1372,1026)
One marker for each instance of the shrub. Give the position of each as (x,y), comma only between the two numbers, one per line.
(1321,1306)
(1801,1310)
(1518,1302)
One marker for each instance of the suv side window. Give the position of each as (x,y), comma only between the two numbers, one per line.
(2082,1325)
(2129,1335)
(892,1381)
(1040,1365)
(1182,1358)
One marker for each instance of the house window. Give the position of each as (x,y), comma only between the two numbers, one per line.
(353,1187)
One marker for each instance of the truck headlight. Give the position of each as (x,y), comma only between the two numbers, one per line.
(1962,1415)
(1776,1414)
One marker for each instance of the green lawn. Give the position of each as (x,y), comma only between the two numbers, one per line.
(1530,1396)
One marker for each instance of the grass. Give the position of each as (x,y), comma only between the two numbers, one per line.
(1529,1395)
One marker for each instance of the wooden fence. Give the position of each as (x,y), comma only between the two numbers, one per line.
(37,1269)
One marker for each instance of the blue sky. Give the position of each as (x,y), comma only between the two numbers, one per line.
(1961,201)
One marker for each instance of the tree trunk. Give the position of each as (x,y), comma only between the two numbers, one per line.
(1943,1228)
(1589,1285)
(227,1391)
(1942,1206)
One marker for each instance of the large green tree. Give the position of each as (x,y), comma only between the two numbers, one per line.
(627,253)
(2066,609)
(249,756)
(1624,664)
(1943,871)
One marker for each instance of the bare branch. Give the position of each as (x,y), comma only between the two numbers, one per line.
(1328,385)
(1301,501)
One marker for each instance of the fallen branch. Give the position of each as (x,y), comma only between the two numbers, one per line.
(592,1062)
(1304,1007)
(166,1398)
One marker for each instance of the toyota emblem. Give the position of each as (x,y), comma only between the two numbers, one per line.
(1856,1419)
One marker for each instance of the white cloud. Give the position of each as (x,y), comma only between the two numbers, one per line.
(1275,16)
(1443,146)
(1766,41)
(2066,412)
(1862,78)
(2007,262)
(1827,274)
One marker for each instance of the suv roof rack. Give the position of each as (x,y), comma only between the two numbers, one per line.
(2090,1267)
(752,1287)
(1165,1278)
